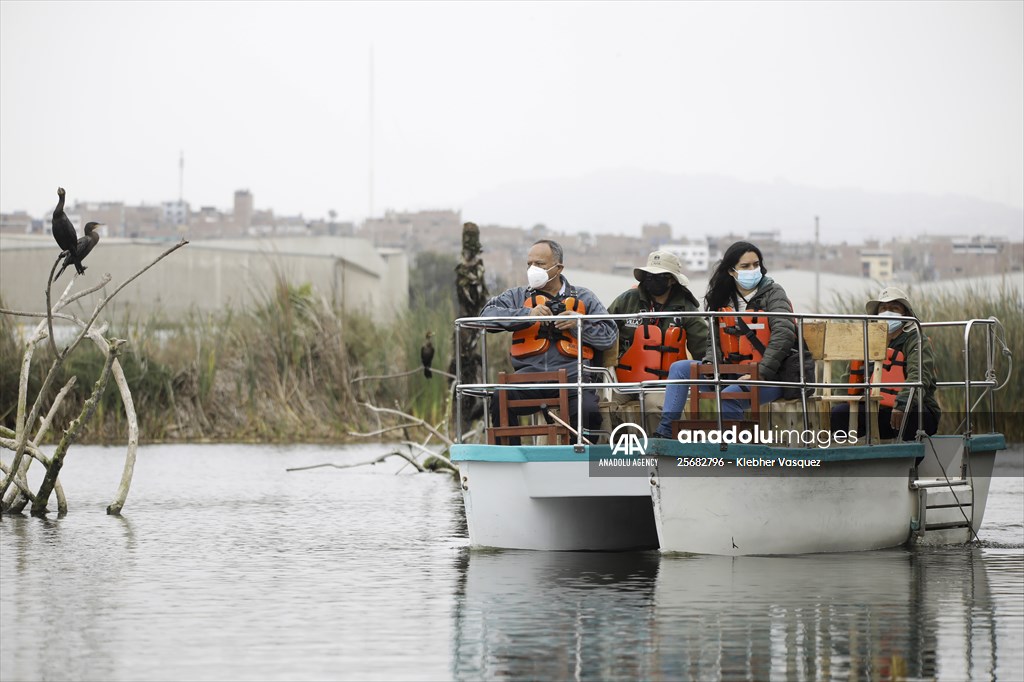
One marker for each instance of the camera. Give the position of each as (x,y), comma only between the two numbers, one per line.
(556,307)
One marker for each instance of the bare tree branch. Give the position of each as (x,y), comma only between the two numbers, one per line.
(23,492)
(444,458)
(128,471)
(418,422)
(401,374)
(379,432)
(15,500)
(49,316)
(106,299)
(63,302)
(44,425)
(366,463)
(19,484)
(25,313)
(22,437)
(88,409)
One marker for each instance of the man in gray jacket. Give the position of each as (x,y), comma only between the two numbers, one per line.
(550,346)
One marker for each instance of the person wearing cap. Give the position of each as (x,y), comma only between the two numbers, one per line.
(908,358)
(740,284)
(647,345)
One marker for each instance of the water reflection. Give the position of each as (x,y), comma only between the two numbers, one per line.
(870,615)
(553,615)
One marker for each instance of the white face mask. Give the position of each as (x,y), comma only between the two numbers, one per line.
(537,276)
(893,324)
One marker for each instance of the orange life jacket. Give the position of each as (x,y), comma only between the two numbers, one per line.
(894,371)
(743,338)
(537,338)
(651,353)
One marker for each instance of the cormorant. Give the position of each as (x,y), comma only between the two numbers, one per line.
(64,232)
(427,355)
(83,248)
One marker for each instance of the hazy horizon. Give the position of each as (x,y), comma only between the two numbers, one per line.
(922,99)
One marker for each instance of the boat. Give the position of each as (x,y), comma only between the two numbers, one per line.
(742,492)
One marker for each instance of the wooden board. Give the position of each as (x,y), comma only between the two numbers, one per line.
(838,340)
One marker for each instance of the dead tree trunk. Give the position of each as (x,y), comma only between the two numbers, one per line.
(472,294)
(21,444)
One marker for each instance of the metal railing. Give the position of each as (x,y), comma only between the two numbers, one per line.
(487,324)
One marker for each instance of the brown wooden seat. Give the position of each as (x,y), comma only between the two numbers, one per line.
(707,391)
(556,434)
(698,391)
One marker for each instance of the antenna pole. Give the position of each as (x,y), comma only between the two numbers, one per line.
(371,133)
(817,269)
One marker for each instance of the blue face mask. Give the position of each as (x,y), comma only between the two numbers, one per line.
(748,279)
(893,324)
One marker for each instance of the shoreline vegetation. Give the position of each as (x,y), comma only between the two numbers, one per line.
(290,368)
(286,369)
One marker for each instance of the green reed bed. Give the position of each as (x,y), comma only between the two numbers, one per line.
(284,370)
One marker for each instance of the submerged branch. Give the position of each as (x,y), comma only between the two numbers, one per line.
(371,462)
(21,485)
(57,461)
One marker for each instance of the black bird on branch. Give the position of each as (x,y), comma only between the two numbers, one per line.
(64,232)
(84,246)
(427,355)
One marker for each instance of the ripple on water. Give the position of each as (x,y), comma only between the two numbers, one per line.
(224,566)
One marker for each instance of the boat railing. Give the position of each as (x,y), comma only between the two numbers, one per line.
(993,334)
(803,385)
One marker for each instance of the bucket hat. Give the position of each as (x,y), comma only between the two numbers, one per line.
(660,262)
(888,295)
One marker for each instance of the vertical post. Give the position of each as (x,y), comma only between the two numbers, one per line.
(817,269)
(370,214)
(471,291)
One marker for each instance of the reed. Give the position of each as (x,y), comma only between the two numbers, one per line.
(283,370)
(965,303)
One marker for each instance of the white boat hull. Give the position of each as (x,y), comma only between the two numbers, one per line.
(858,498)
(555,505)
(844,506)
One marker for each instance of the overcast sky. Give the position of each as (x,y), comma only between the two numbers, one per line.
(102,97)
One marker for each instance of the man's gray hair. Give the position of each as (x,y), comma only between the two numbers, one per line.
(556,248)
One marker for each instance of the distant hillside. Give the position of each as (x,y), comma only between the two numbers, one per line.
(622,201)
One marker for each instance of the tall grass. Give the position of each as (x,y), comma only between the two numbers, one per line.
(969,302)
(283,370)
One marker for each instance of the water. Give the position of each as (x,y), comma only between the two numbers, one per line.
(225,567)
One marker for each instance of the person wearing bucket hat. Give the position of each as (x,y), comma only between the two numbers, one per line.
(740,283)
(908,358)
(649,345)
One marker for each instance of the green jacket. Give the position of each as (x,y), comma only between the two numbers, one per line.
(908,344)
(771,298)
(635,300)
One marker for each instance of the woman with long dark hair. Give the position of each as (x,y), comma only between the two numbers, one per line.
(740,284)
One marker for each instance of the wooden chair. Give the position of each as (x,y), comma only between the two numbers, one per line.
(556,434)
(698,391)
(835,343)
(707,391)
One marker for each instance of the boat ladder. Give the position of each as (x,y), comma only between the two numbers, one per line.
(945,511)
